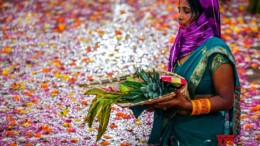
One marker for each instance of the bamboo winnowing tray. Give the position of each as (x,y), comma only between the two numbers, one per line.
(115,82)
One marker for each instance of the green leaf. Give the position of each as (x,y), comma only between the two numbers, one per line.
(136,92)
(93,101)
(150,94)
(123,88)
(139,99)
(100,92)
(132,84)
(143,89)
(101,108)
(103,121)
(95,110)
(131,96)
(156,77)
(154,87)
(150,78)
(155,95)
(143,76)
(129,79)
(160,92)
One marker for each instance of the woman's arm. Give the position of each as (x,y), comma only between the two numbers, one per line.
(223,80)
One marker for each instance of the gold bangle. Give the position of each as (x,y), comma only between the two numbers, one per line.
(205,106)
(196,107)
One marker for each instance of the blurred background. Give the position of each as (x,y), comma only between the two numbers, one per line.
(48,47)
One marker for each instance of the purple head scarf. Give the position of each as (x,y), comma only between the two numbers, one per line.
(198,32)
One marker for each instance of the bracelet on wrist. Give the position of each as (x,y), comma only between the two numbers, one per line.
(200,106)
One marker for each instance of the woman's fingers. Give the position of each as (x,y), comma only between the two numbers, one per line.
(173,103)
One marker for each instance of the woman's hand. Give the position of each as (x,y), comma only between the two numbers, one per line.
(180,102)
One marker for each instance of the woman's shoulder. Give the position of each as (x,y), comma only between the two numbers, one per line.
(218,46)
(216,41)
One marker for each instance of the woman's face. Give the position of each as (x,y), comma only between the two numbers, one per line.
(185,14)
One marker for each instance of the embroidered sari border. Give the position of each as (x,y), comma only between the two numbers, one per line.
(197,74)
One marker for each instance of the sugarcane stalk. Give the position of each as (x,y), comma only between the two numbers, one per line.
(106,81)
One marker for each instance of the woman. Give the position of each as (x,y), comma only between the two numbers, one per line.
(206,62)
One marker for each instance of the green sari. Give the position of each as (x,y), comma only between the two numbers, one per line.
(202,129)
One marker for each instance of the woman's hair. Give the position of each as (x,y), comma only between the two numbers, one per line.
(196,8)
